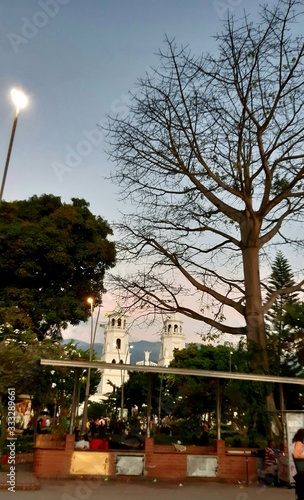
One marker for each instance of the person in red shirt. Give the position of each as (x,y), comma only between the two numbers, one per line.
(270,468)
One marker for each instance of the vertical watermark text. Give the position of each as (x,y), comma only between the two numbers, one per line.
(11,437)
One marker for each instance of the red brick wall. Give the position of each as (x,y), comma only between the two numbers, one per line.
(194,450)
(52,461)
(233,468)
(160,462)
(50,441)
(238,468)
(164,464)
(24,458)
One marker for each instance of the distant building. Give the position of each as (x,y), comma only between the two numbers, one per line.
(116,349)
(172,338)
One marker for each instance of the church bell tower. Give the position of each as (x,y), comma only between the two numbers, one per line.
(171,338)
(115,350)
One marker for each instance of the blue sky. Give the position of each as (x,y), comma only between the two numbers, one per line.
(77,60)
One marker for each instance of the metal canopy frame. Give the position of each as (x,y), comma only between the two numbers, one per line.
(100,365)
(171,371)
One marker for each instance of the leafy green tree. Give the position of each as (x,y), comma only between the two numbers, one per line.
(101,409)
(195,397)
(284,340)
(292,360)
(242,403)
(294,316)
(18,360)
(282,278)
(20,368)
(211,156)
(53,255)
(136,392)
(56,390)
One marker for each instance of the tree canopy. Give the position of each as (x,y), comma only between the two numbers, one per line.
(281,336)
(53,256)
(211,157)
(21,371)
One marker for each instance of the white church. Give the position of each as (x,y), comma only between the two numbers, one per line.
(116,349)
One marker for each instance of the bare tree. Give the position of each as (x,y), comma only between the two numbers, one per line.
(211,158)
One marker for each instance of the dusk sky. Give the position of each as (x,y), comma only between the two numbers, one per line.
(77,60)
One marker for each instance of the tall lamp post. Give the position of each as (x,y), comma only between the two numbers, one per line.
(20,101)
(87,391)
(122,396)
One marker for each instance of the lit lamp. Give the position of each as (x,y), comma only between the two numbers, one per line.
(87,391)
(20,101)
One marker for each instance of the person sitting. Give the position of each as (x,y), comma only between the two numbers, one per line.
(270,467)
(83,443)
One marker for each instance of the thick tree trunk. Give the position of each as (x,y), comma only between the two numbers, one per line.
(256,332)
(254,316)
(254,312)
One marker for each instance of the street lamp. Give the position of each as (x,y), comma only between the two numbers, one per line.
(87,391)
(230,353)
(122,396)
(20,101)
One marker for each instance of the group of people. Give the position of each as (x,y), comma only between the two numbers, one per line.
(270,469)
(98,426)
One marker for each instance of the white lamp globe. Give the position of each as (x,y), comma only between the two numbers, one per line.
(19,98)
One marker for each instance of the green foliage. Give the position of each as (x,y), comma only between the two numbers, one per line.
(52,257)
(281,277)
(243,403)
(20,368)
(136,391)
(205,357)
(285,337)
(18,365)
(24,444)
(294,315)
(188,431)
(279,184)
(97,410)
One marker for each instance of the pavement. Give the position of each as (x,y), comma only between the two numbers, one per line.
(28,487)
(111,490)
(22,479)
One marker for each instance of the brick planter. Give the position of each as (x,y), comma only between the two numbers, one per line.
(54,459)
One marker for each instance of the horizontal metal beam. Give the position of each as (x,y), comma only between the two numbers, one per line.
(172,371)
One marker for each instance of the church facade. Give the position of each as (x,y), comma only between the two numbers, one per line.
(117,349)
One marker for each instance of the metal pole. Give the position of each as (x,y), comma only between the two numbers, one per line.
(218,410)
(122,391)
(160,400)
(122,383)
(74,400)
(9,153)
(149,404)
(87,391)
(122,395)
(230,353)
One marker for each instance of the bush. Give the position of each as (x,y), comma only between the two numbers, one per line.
(23,443)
